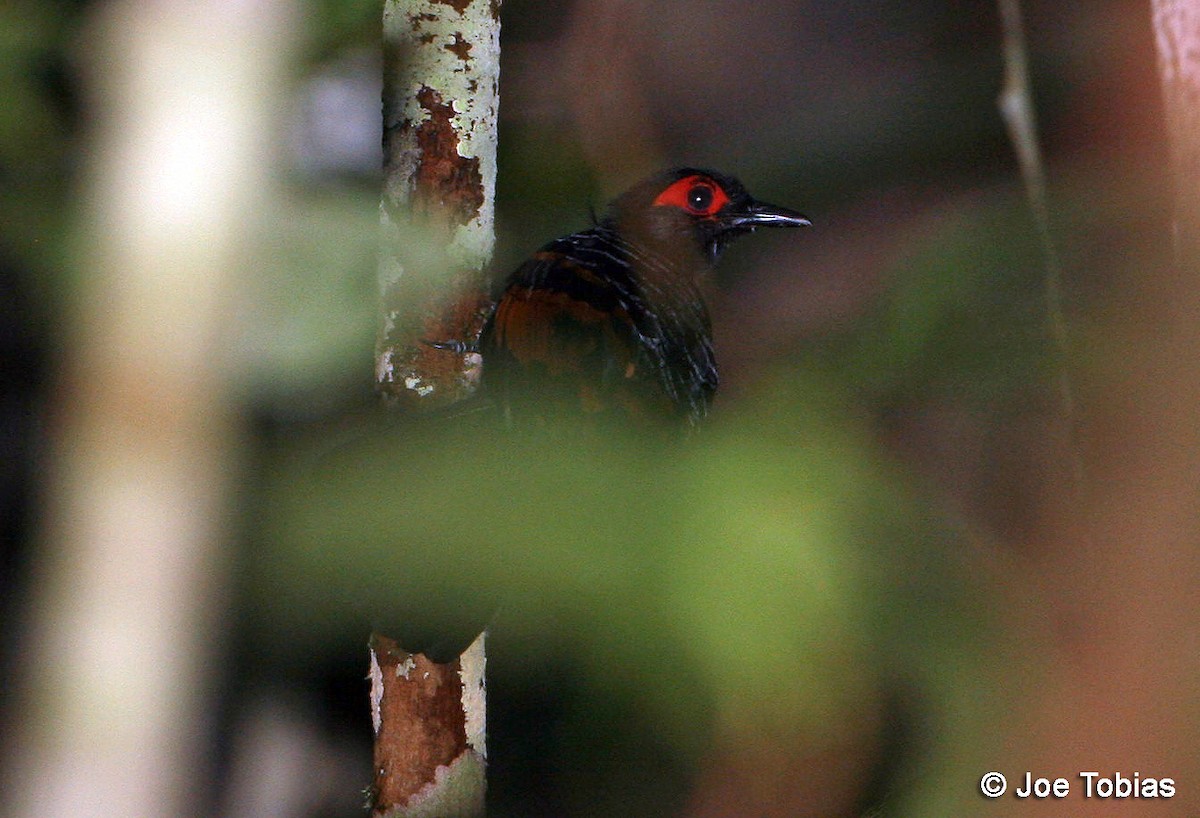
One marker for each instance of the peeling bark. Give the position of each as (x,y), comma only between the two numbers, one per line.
(440,101)
(438,220)
(429,732)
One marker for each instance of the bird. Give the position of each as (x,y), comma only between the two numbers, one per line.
(609,323)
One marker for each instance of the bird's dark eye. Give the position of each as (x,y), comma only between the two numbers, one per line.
(700,198)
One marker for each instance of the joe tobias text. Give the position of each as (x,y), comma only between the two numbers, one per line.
(1096,785)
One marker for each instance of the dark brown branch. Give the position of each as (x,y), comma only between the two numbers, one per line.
(429,756)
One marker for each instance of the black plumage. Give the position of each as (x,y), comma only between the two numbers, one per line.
(610,322)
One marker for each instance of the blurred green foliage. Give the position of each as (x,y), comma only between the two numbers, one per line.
(773,575)
(335,26)
(39,123)
(306,328)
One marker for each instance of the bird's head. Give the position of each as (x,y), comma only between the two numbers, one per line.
(694,207)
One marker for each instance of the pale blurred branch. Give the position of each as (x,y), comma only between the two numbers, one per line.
(1177,35)
(129,579)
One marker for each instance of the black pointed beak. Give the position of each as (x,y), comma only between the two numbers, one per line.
(761,214)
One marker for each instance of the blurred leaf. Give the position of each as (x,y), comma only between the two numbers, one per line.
(757,560)
(307,323)
(334,25)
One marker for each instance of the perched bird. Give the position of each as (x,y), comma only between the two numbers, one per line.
(610,322)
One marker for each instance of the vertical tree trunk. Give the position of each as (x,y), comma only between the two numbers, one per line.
(129,580)
(440,99)
(429,732)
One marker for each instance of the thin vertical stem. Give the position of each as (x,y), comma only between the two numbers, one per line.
(1177,37)
(1017,109)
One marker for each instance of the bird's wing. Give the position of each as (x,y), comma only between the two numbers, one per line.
(562,338)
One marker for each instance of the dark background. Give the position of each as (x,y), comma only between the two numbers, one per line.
(888,399)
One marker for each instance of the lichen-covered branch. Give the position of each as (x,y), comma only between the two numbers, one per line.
(440,100)
(441,78)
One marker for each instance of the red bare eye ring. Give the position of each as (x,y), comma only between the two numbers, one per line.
(696,194)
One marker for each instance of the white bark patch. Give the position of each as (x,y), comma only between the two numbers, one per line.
(473,667)
(457,56)
(376,677)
